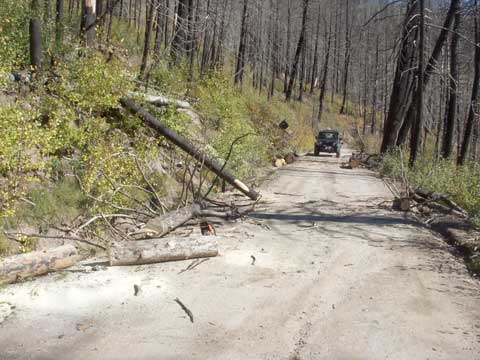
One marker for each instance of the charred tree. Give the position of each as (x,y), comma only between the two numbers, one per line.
(451,117)
(88,31)
(298,53)
(403,80)
(240,67)
(418,128)
(431,66)
(472,106)
(36,47)
(148,37)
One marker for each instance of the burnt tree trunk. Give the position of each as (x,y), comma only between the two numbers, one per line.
(323,84)
(148,37)
(88,22)
(403,81)
(418,128)
(180,37)
(451,117)
(239,69)
(36,47)
(431,66)
(300,46)
(472,106)
(346,65)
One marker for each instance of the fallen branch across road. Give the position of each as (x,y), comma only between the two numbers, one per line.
(188,147)
(162,250)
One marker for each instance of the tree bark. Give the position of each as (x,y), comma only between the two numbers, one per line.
(18,267)
(162,250)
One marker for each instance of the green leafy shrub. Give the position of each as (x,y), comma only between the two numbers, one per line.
(462,183)
(19,165)
(14,17)
(92,84)
(226,112)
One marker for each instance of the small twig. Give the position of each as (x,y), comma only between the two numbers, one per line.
(150,186)
(193,265)
(184,308)
(253,260)
(226,162)
(286,194)
(11,235)
(102,216)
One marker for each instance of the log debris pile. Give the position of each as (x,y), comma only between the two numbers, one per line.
(362,160)
(152,246)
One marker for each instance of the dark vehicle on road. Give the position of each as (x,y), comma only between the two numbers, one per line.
(328,141)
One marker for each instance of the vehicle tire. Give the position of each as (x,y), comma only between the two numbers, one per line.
(338,154)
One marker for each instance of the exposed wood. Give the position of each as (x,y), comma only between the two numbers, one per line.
(18,267)
(160,101)
(162,250)
(189,148)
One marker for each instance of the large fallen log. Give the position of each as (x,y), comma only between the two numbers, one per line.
(188,147)
(162,250)
(18,267)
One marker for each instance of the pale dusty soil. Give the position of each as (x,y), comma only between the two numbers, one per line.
(336,277)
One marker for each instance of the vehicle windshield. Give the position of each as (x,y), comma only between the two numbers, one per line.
(328,136)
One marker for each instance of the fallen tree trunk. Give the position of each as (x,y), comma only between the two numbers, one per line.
(18,267)
(162,250)
(188,147)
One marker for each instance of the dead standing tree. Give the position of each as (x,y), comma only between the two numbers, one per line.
(298,52)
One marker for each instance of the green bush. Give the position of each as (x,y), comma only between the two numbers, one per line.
(14,17)
(462,183)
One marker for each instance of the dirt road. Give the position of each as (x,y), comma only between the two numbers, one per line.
(335,276)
